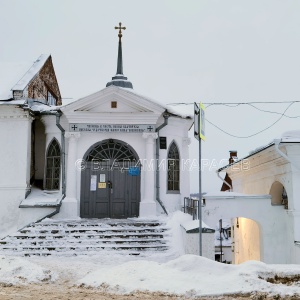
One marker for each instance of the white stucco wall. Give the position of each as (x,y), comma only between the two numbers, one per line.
(15,134)
(177,131)
(40,150)
(14,130)
(191,244)
(273,221)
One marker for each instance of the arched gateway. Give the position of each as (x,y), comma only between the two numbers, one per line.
(110,182)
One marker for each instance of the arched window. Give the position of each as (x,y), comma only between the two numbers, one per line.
(173,168)
(279,195)
(112,150)
(53,166)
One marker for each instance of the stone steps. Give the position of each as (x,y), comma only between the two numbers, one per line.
(88,237)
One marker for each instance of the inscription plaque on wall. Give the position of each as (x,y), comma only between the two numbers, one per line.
(124,128)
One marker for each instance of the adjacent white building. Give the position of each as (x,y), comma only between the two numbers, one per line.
(264,202)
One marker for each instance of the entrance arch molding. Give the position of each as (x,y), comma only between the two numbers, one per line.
(110,191)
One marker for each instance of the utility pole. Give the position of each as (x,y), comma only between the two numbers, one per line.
(199,134)
(220,229)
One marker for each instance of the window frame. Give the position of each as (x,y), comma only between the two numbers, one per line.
(177,160)
(52,98)
(55,183)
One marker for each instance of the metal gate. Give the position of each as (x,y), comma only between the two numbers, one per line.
(110,183)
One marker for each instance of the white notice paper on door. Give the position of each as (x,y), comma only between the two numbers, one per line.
(93,182)
(102,177)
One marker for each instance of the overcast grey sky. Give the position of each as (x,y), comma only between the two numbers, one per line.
(173,51)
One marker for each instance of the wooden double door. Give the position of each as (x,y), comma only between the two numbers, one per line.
(110,192)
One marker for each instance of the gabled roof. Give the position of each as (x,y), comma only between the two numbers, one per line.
(16,76)
(139,102)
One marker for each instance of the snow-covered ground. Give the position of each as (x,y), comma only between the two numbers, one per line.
(172,273)
(16,270)
(187,275)
(193,275)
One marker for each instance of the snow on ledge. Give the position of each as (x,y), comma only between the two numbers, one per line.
(233,195)
(193,227)
(41,198)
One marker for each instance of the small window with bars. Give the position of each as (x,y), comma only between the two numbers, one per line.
(51,99)
(53,166)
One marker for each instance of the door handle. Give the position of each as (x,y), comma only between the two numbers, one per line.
(110,185)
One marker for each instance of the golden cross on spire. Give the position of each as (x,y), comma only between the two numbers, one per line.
(120,30)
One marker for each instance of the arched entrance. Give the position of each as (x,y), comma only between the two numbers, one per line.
(246,240)
(110,182)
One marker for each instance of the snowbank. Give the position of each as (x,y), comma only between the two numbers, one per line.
(15,270)
(175,220)
(190,275)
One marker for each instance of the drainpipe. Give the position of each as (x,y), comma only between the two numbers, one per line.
(277,142)
(166,116)
(63,155)
(224,181)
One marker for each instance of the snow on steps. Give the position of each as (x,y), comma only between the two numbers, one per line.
(87,237)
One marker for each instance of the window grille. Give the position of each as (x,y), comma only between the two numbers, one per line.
(111,150)
(51,99)
(173,168)
(53,166)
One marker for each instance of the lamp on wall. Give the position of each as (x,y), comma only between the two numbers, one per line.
(237,223)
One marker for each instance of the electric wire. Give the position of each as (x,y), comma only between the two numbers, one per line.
(251,135)
(251,104)
(236,103)
(273,112)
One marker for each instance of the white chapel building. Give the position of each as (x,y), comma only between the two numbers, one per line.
(113,154)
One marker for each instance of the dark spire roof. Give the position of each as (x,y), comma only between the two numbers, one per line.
(119,79)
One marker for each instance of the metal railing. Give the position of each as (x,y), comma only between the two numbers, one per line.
(191,207)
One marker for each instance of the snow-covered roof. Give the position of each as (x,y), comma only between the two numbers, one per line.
(292,136)
(40,107)
(13,102)
(193,227)
(16,75)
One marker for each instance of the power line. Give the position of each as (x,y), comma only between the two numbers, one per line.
(250,104)
(244,137)
(274,112)
(262,110)
(236,103)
